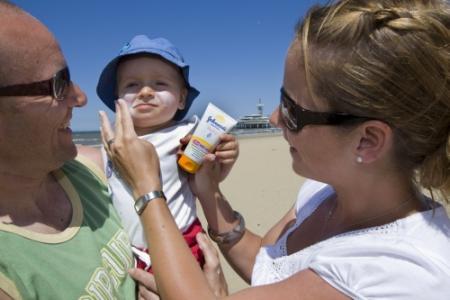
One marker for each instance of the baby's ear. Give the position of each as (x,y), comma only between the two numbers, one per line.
(182,102)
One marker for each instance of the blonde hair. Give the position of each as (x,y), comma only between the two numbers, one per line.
(390,60)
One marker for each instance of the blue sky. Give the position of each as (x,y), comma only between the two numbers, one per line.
(236,48)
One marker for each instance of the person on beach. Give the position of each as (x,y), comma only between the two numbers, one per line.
(60,236)
(365,109)
(153,78)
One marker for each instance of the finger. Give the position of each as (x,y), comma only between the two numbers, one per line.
(144,278)
(183,143)
(180,150)
(224,154)
(227,162)
(105,129)
(226,138)
(228,145)
(185,140)
(127,122)
(119,125)
(209,157)
(146,294)
(209,251)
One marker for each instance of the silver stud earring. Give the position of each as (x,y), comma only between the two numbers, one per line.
(359,159)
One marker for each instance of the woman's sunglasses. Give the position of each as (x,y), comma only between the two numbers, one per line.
(56,87)
(296,117)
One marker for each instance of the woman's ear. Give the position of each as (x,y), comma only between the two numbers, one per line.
(375,141)
(183,96)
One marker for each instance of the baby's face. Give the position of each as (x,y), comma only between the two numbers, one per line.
(154,90)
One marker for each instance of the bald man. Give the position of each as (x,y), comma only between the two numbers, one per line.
(60,237)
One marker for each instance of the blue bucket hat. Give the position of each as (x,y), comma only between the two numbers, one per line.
(107,83)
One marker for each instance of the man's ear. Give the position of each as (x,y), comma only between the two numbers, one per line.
(183,96)
(375,141)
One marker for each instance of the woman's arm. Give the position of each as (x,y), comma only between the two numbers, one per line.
(177,274)
(172,262)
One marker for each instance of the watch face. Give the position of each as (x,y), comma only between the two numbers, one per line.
(138,206)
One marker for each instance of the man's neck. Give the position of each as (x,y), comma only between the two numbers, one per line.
(37,203)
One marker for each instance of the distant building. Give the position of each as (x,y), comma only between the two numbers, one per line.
(254,121)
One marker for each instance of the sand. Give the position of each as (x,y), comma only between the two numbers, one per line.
(262,187)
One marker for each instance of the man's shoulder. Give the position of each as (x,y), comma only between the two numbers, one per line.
(84,167)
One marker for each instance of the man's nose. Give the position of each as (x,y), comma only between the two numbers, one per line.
(76,97)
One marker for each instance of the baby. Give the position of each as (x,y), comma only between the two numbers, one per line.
(153,78)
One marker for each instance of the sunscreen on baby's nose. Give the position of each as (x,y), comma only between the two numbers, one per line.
(214,122)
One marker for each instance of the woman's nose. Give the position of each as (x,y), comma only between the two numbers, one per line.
(275,118)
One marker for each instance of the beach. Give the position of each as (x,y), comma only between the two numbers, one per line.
(262,186)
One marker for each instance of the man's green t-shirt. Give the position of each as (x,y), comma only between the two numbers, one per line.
(88,260)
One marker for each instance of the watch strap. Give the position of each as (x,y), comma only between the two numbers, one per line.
(142,201)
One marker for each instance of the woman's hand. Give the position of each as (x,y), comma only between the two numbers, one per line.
(135,159)
(147,289)
(212,271)
(212,268)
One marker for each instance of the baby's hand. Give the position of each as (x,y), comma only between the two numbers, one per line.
(226,153)
(216,165)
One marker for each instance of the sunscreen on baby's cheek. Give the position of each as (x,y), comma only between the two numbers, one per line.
(129,98)
(214,122)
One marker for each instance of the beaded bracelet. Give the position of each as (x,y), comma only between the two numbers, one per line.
(231,237)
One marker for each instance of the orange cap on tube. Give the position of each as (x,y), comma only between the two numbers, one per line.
(188,164)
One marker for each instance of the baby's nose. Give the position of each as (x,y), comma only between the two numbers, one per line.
(146,92)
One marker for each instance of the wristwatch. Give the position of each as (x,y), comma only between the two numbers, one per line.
(142,201)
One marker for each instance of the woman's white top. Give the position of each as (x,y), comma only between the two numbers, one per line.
(406,259)
(180,199)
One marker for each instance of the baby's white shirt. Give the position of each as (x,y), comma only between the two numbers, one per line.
(179,196)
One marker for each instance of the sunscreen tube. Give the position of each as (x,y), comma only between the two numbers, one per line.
(213,123)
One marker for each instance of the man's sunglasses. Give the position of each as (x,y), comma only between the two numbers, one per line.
(296,117)
(56,86)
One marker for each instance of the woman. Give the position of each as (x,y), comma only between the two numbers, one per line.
(365,109)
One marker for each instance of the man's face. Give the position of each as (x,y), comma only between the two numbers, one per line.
(34,130)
